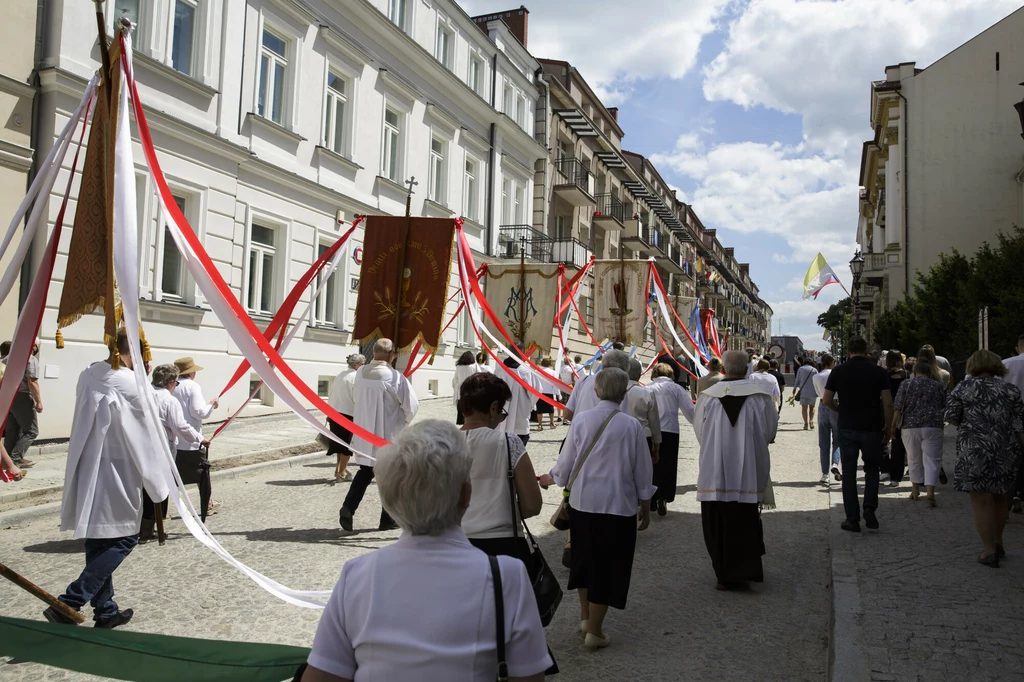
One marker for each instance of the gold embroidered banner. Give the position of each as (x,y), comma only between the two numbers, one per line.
(404,279)
(523,299)
(619,310)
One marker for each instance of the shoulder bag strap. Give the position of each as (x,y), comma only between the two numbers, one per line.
(511,487)
(499,618)
(586,453)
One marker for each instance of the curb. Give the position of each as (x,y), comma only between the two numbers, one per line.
(26,514)
(845,659)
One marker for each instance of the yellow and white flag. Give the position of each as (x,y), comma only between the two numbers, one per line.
(818,276)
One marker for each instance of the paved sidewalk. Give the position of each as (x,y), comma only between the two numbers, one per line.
(248,440)
(910,601)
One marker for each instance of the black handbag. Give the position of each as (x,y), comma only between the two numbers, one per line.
(194,467)
(546,589)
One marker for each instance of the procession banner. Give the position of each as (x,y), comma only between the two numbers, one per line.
(619,305)
(523,298)
(406,266)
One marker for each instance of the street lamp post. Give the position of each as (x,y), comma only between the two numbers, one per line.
(856,267)
(1019,106)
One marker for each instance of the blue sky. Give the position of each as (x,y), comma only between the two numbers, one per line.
(755,109)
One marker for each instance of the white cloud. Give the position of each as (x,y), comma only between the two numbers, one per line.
(613,47)
(816,58)
(800,318)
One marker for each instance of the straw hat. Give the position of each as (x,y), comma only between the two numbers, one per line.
(186,366)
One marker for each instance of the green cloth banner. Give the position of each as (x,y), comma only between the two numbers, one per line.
(144,657)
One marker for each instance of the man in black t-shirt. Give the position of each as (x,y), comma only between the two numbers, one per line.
(779,377)
(859,390)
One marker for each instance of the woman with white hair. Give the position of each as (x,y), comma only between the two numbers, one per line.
(343,400)
(605,467)
(424,607)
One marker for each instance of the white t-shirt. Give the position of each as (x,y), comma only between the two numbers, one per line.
(490,512)
(820,379)
(423,609)
(1015,374)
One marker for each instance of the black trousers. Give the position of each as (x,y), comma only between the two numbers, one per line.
(666,469)
(358,488)
(148,507)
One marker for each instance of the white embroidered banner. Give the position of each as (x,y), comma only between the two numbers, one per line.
(524,298)
(620,310)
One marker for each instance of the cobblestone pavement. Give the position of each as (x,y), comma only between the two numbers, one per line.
(927,610)
(283,522)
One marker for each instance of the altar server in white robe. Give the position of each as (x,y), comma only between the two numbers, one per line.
(672,399)
(734,421)
(384,405)
(583,396)
(522,402)
(113,453)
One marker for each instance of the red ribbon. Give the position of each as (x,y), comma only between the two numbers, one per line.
(661,290)
(218,280)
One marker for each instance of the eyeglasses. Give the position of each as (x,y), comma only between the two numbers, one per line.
(504,415)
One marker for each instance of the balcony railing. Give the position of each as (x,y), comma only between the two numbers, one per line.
(576,173)
(611,206)
(514,240)
(572,252)
(650,235)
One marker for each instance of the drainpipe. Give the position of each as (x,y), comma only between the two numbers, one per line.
(42,60)
(906,195)
(491,158)
(546,118)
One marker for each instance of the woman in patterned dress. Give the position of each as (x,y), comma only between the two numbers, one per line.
(990,414)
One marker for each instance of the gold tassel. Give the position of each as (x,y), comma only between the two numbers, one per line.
(115,357)
(58,338)
(147,354)
(433,354)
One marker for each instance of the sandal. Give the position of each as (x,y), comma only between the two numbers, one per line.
(212,508)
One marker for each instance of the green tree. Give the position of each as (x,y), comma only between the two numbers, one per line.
(838,319)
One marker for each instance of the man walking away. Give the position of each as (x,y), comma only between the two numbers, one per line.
(196,409)
(773,366)
(859,390)
(110,459)
(734,421)
(1015,375)
(23,421)
(343,400)
(828,423)
(384,405)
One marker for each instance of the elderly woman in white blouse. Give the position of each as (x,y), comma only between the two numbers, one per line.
(672,399)
(423,608)
(614,480)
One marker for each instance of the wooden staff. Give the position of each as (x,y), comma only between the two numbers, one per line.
(622,290)
(401,267)
(40,593)
(158,509)
(522,291)
(101,28)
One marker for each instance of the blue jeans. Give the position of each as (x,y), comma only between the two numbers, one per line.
(851,445)
(102,557)
(828,437)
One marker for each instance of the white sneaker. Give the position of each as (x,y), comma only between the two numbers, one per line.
(882,478)
(824,479)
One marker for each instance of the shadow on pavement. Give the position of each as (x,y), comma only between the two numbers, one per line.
(302,482)
(331,536)
(58,547)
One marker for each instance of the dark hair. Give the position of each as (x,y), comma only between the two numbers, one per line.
(827,359)
(618,345)
(5,349)
(715,364)
(481,358)
(857,345)
(466,358)
(773,363)
(577,359)
(909,365)
(923,369)
(122,342)
(894,360)
(511,362)
(764,364)
(481,390)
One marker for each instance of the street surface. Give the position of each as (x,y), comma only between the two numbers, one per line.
(283,522)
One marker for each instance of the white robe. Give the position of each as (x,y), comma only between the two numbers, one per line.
(112,454)
(385,404)
(462,372)
(734,464)
(523,402)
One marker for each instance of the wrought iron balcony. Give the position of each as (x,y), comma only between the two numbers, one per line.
(515,241)
(574,182)
(611,213)
(572,252)
(671,259)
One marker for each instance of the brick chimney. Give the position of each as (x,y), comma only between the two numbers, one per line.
(614,111)
(517,20)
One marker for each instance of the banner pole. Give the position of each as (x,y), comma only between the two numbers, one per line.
(522,291)
(401,267)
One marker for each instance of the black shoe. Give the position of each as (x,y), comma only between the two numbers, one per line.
(115,621)
(942,476)
(835,472)
(1000,552)
(852,526)
(869,519)
(662,508)
(54,616)
(345,518)
(387,526)
(992,560)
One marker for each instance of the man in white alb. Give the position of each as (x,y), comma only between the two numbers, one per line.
(584,397)
(384,405)
(642,404)
(522,402)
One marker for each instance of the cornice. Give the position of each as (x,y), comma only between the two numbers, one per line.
(15,156)
(15,87)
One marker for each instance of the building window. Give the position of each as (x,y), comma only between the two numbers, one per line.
(520,204)
(326,308)
(506,100)
(392,137)
(506,207)
(443,47)
(183,38)
(470,191)
(336,118)
(273,69)
(126,9)
(476,74)
(262,251)
(467,337)
(564,151)
(396,13)
(172,273)
(323,385)
(521,112)
(436,183)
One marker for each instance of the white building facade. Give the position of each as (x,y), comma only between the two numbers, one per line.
(274,121)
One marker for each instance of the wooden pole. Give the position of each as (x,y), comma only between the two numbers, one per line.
(622,291)
(401,267)
(158,509)
(522,292)
(101,28)
(40,593)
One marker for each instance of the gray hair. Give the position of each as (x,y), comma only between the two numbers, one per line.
(611,384)
(616,358)
(420,476)
(383,347)
(355,360)
(635,369)
(163,375)
(734,363)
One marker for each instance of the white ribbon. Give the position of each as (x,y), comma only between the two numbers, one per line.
(701,370)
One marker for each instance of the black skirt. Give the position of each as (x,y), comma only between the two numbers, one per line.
(735,540)
(602,556)
(341,432)
(666,469)
(544,407)
(508,546)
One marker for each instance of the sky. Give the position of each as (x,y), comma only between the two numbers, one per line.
(756,110)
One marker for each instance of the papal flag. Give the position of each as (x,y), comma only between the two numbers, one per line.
(523,298)
(818,276)
(620,310)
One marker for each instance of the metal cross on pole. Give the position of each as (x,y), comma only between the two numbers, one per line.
(411,182)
